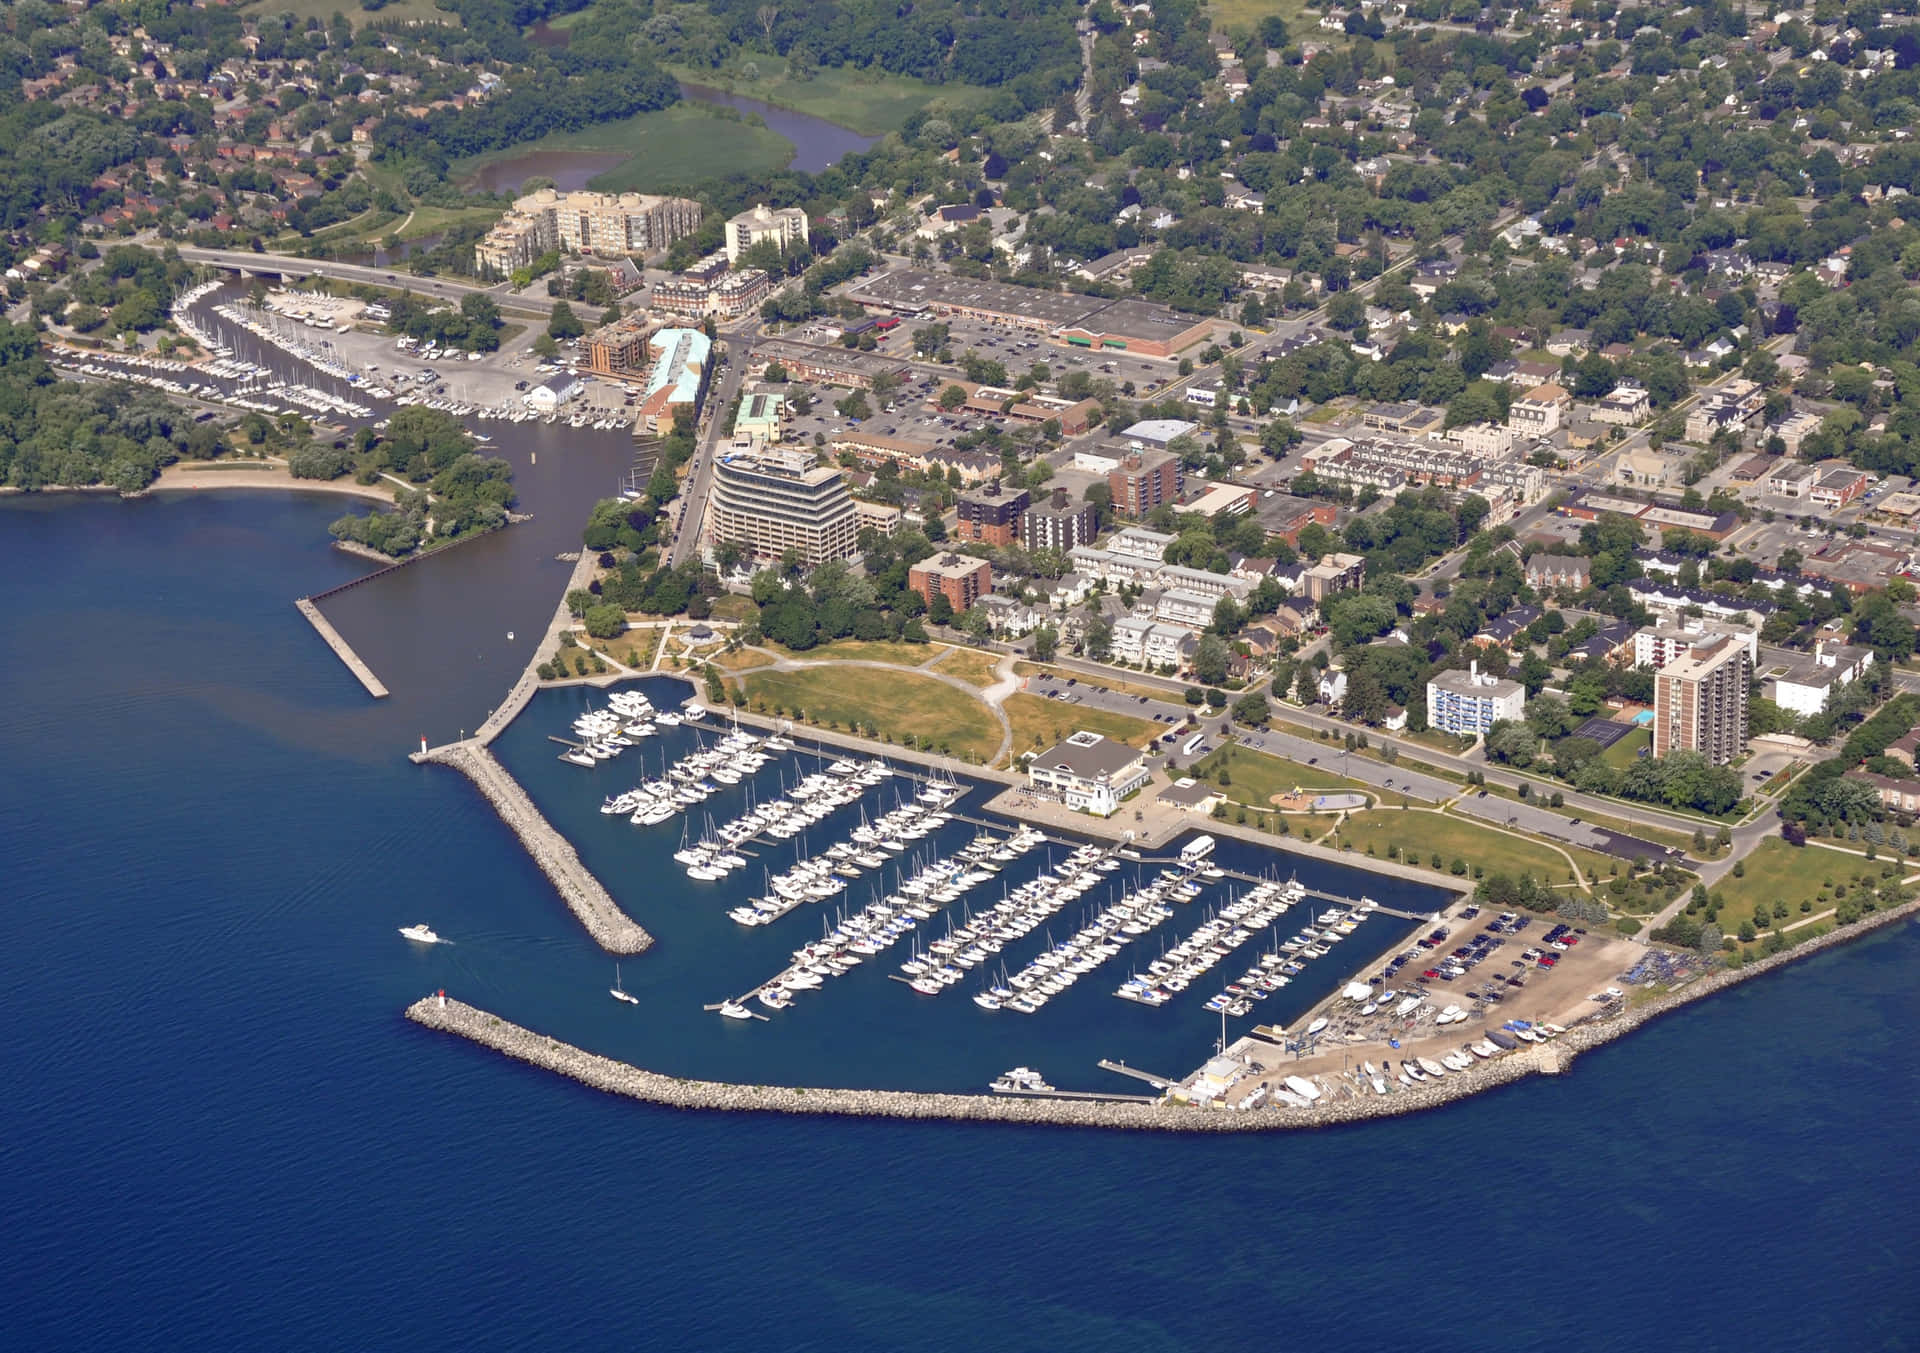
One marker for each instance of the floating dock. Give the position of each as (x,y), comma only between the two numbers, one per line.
(341,648)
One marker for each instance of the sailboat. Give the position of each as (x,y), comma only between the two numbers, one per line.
(620,993)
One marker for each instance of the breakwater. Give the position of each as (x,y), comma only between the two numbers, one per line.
(612,929)
(341,648)
(1120,1114)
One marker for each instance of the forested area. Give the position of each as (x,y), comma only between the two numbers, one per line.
(461,492)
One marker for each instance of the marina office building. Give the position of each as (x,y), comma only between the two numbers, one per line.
(606,224)
(1700,701)
(770,501)
(1090,773)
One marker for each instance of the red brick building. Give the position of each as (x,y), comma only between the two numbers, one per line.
(962,579)
(1143,481)
(992,514)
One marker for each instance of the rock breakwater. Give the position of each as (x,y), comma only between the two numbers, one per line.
(612,929)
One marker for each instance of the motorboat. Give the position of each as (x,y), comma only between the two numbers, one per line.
(421,934)
(735,1010)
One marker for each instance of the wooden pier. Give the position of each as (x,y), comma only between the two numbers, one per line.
(341,648)
(1122,1069)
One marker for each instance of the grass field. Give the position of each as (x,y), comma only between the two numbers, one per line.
(733,606)
(1248,13)
(1625,752)
(1778,872)
(869,102)
(674,147)
(1421,835)
(866,650)
(741,660)
(971,665)
(640,643)
(1255,777)
(1039,723)
(323,10)
(930,712)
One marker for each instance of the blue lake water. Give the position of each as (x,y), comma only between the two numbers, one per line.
(219,1131)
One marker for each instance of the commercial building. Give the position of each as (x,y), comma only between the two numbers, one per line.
(960,578)
(1700,702)
(881,517)
(758,422)
(1059,523)
(606,224)
(778,226)
(991,514)
(829,366)
(771,501)
(1222,500)
(1089,773)
(1468,704)
(551,393)
(1623,406)
(711,288)
(676,381)
(1732,408)
(1144,480)
(1138,327)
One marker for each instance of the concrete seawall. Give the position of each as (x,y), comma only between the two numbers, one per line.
(621,1078)
(612,929)
(341,648)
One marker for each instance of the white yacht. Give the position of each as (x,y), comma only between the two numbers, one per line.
(421,934)
(620,993)
(735,1010)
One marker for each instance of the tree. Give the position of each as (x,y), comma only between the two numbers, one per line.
(1046,643)
(604,622)
(563,324)
(939,609)
(977,624)
(1251,709)
(1549,717)
(1211,659)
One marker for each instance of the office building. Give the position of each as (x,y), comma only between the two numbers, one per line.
(778,226)
(1468,703)
(1700,702)
(770,501)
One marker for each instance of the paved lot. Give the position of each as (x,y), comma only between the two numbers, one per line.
(1558,827)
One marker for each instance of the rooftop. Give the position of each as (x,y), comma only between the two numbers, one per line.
(1090,756)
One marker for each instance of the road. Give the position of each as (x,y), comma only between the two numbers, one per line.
(446,288)
(699,484)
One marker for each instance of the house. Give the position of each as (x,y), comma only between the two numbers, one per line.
(1089,773)
(1624,406)
(1554,572)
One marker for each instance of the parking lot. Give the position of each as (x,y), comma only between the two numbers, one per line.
(1559,827)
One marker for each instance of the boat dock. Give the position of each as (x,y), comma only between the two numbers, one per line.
(1100,1095)
(1122,1069)
(341,648)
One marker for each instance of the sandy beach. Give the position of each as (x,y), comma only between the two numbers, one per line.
(193,475)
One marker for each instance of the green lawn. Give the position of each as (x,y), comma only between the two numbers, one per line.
(1778,872)
(869,102)
(733,606)
(323,10)
(866,650)
(1254,778)
(1421,835)
(1625,752)
(930,712)
(1039,722)
(674,147)
(1249,13)
(976,667)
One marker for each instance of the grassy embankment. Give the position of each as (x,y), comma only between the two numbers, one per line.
(1806,880)
(407,11)
(1422,836)
(931,714)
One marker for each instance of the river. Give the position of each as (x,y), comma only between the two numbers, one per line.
(817,144)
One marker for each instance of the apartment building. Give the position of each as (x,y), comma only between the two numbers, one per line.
(991,514)
(771,501)
(1700,702)
(1469,703)
(1333,573)
(960,578)
(778,226)
(1659,645)
(1144,480)
(605,224)
(1059,523)
(711,288)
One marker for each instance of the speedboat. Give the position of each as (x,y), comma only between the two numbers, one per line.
(421,934)
(735,1010)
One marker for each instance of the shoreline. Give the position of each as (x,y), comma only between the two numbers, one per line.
(606,1074)
(197,476)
